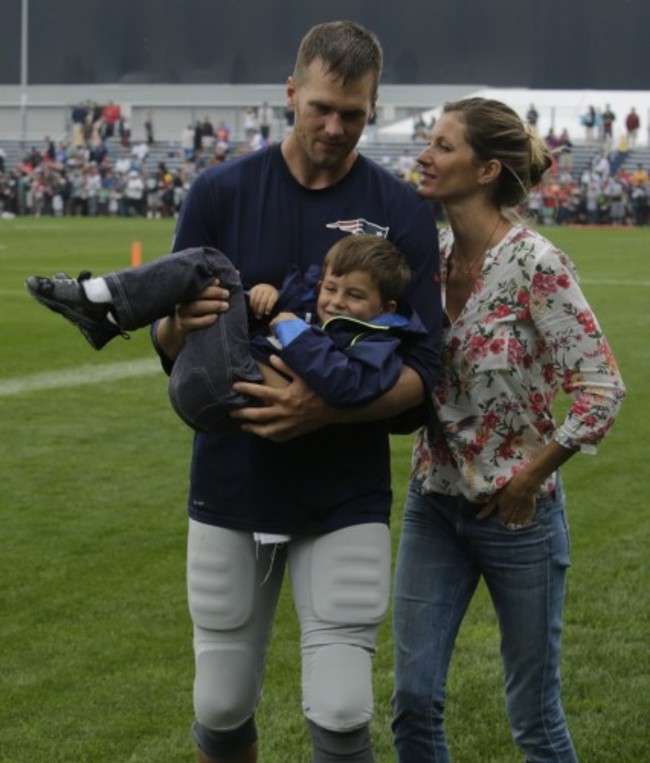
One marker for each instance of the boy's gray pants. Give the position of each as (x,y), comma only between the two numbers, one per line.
(200,387)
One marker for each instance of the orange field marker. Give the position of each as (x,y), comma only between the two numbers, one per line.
(136,254)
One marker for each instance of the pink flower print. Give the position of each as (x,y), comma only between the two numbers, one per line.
(490,420)
(587,321)
(537,402)
(515,352)
(477,347)
(563,281)
(581,407)
(496,346)
(505,450)
(544,283)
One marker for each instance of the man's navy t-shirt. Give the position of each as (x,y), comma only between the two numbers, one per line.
(255,212)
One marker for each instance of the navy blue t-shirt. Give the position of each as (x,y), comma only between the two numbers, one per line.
(255,212)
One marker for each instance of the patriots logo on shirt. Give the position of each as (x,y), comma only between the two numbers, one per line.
(359,226)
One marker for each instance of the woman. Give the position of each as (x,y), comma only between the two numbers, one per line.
(486,496)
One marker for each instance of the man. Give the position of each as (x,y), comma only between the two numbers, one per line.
(532,115)
(316,476)
(632,124)
(608,118)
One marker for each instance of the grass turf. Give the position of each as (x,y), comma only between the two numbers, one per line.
(95,643)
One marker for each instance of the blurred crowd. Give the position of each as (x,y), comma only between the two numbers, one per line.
(101,171)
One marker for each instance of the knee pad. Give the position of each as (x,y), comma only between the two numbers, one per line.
(226,686)
(337,687)
(224,744)
(221,596)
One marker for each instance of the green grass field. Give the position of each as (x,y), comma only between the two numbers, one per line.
(95,644)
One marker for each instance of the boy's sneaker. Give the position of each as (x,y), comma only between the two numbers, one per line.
(66,295)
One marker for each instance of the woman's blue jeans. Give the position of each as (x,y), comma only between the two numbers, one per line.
(443,552)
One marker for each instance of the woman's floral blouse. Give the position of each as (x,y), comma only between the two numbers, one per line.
(526,331)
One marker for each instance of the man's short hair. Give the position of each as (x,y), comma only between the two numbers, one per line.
(347,50)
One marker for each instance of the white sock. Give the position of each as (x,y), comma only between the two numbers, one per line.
(97,290)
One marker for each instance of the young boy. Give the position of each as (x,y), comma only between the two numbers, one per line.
(353,356)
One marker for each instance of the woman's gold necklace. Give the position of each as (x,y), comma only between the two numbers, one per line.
(465,269)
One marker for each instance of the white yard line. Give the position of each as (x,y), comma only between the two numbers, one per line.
(75,377)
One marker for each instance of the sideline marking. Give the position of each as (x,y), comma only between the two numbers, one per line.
(76,377)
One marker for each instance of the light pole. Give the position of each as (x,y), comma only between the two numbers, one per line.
(24,42)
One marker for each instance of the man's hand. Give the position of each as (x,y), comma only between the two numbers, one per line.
(200,312)
(203,310)
(287,412)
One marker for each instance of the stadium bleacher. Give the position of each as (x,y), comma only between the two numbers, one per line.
(383,152)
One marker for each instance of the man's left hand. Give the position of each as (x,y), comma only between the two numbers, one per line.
(286,412)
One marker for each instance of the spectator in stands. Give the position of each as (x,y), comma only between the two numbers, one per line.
(207,135)
(371,127)
(565,155)
(93,185)
(61,155)
(222,134)
(406,165)
(265,119)
(78,193)
(617,200)
(589,122)
(148,129)
(532,116)
(123,164)
(602,168)
(640,176)
(110,117)
(608,117)
(140,151)
(632,124)
(552,141)
(3,158)
(289,118)
(124,130)
(250,123)
(134,194)
(187,142)
(639,201)
(420,131)
(592,202)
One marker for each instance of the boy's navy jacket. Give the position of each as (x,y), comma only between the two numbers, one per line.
(346,361)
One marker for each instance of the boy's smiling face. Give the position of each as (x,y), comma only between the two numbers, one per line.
(354,295)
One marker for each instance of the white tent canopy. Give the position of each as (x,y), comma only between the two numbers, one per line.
(558,109)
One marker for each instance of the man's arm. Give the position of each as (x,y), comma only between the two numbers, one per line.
(296,410)
(201,312)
